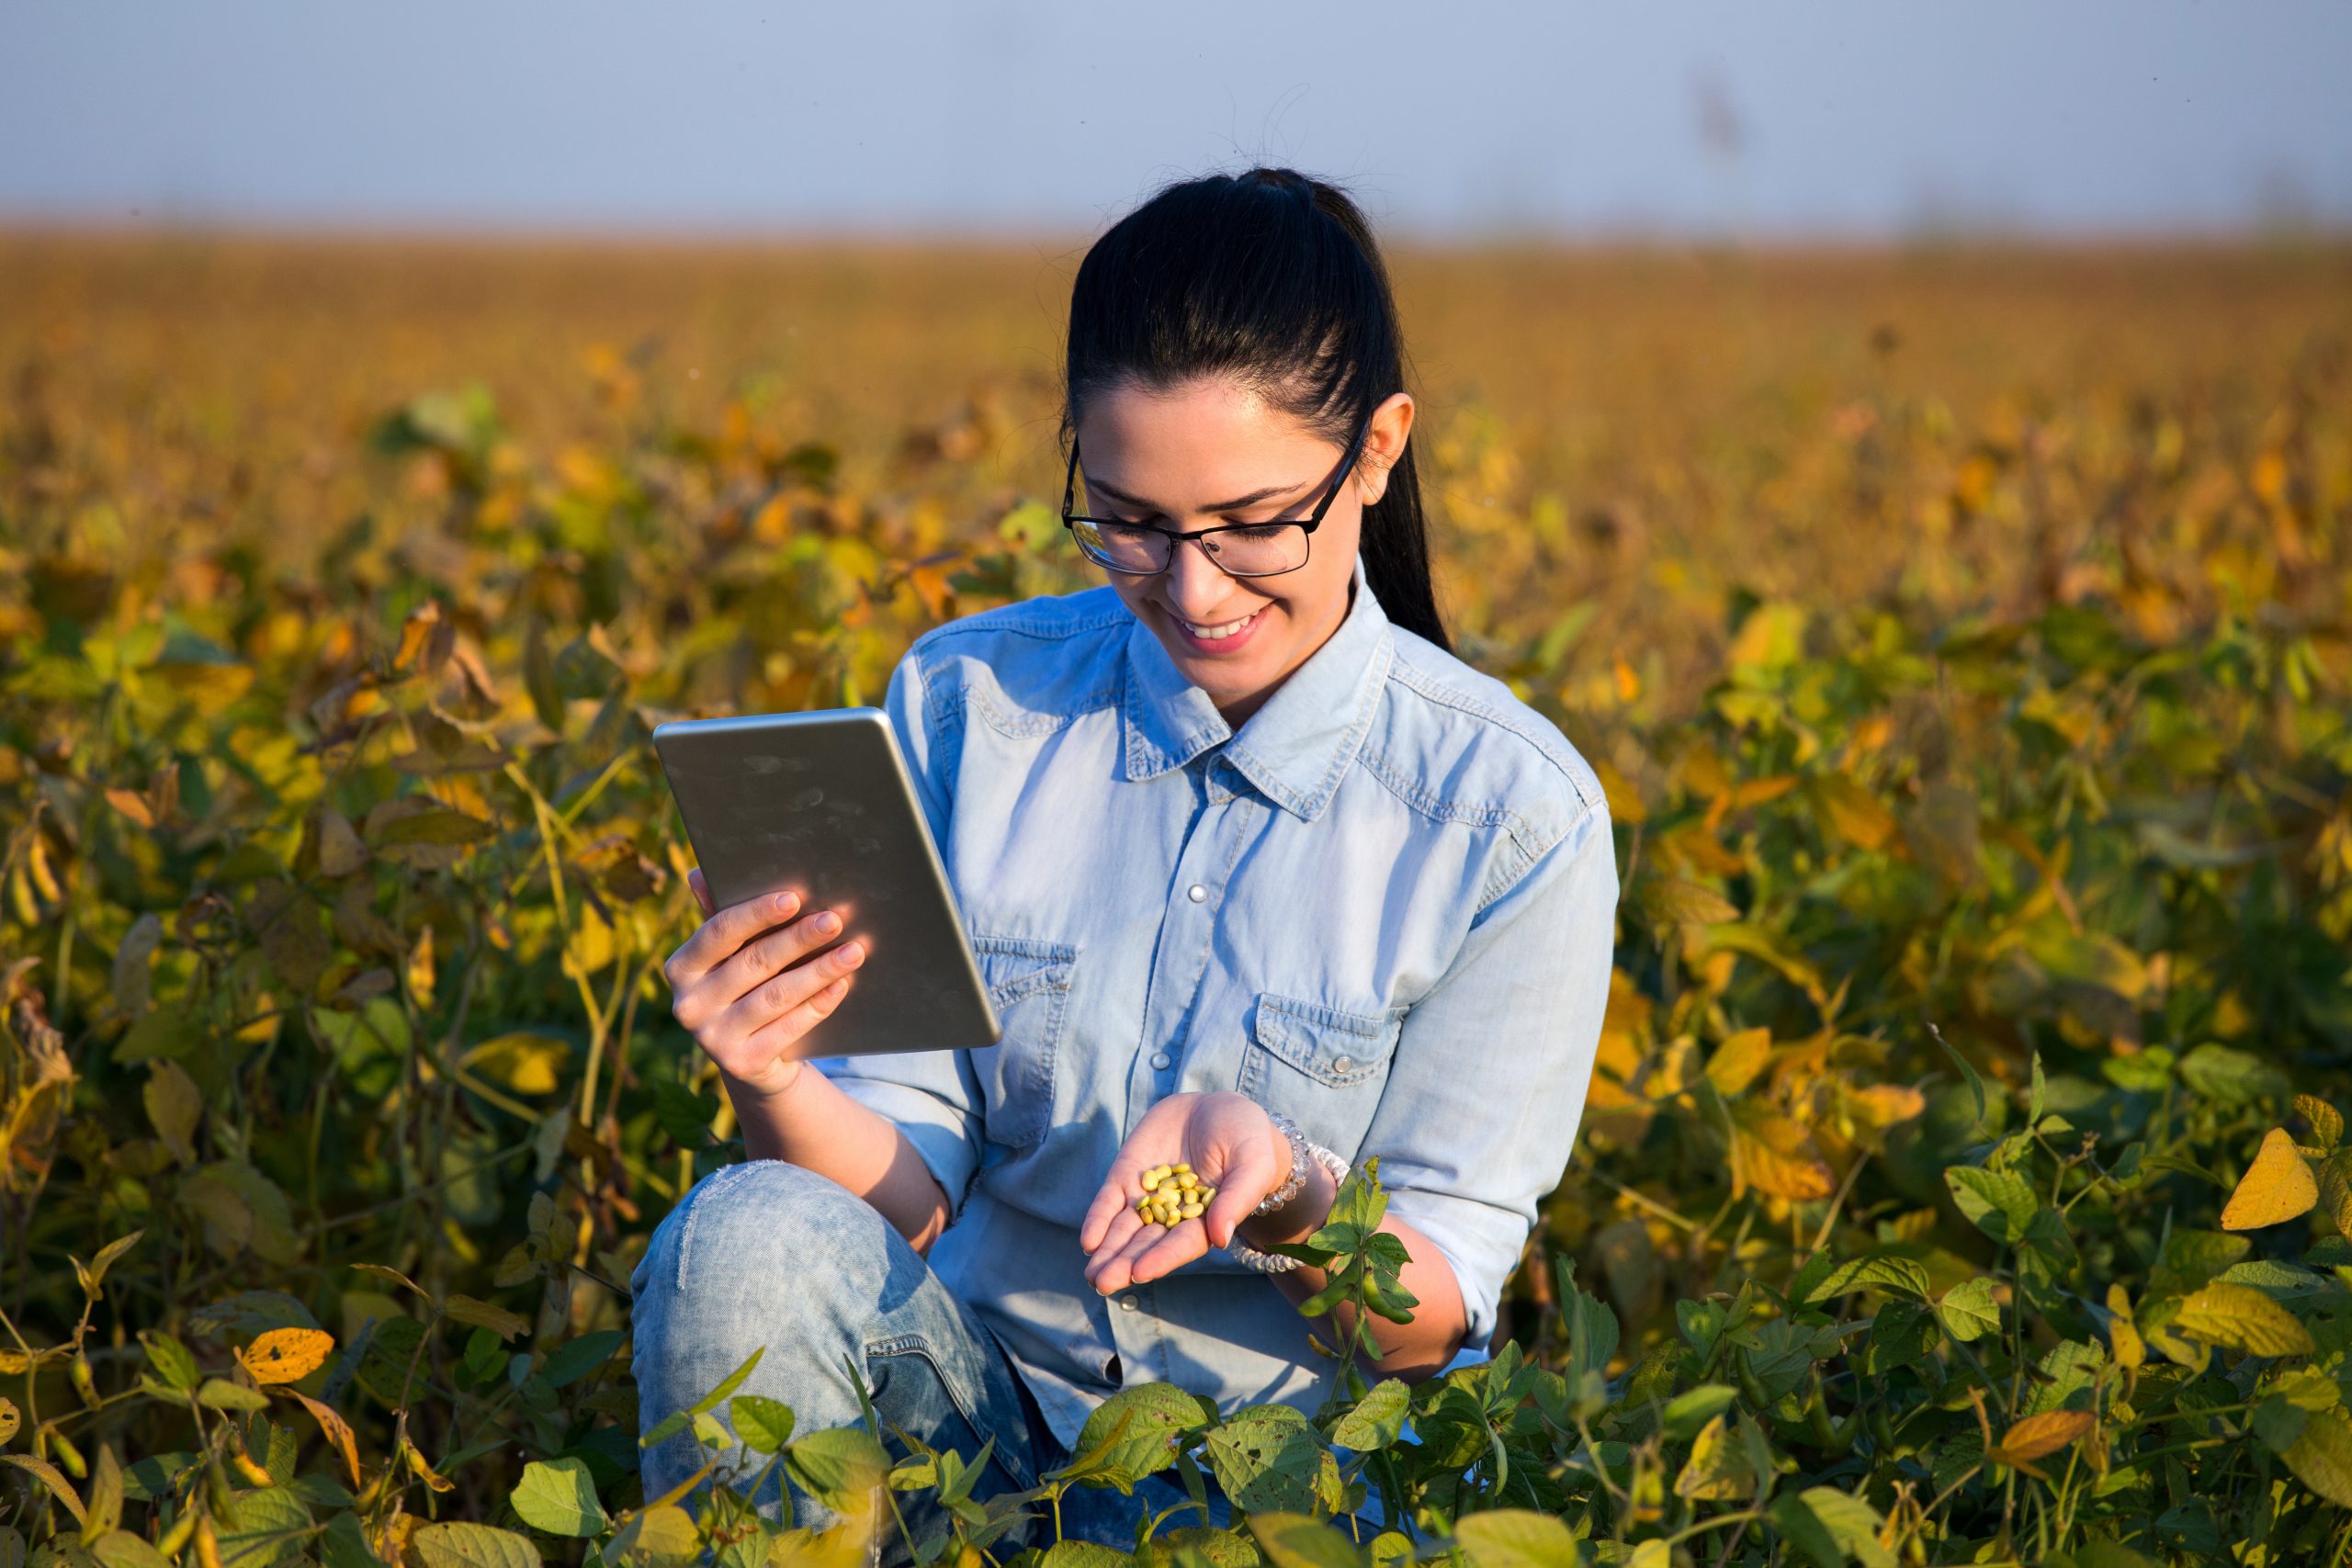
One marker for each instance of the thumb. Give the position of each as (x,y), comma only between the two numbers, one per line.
(1247,1182)
(701,890)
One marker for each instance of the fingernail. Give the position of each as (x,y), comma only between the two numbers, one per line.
(785,901)
(828,921)
(851,952)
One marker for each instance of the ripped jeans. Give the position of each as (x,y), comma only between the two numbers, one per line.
(765,1253)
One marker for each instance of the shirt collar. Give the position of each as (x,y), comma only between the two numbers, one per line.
(1298,744)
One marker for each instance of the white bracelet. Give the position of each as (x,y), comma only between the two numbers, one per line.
(1275,1263)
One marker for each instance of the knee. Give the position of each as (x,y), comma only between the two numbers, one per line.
(752,1238)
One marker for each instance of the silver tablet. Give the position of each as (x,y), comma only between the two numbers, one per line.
(822,803)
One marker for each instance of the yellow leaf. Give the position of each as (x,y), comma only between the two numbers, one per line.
(338,1432)
(2131,1350)
(523,1062)
(2277,1187)
(2035,1436)
(286,1355)
(1775,1155)
(1739,1060)
(1853,813)
(2336,1189)
(1717,1469)
(2327,1123)
(2239,1317)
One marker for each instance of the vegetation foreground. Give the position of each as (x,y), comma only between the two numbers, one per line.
(1965,1179)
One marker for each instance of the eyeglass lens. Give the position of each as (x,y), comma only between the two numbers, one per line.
(1245,552)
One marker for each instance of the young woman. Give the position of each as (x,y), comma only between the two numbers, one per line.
(1262,877)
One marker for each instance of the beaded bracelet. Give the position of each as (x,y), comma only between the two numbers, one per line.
(1275,1263)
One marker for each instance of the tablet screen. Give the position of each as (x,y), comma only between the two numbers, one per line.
(822,803)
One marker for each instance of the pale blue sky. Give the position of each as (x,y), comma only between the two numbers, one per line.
(1828,117)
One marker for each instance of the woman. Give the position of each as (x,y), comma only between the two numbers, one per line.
(1260,876)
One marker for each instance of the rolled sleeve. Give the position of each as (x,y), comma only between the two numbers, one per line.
(1479,1116)
(932,1096)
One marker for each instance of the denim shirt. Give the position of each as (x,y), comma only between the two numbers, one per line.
(1384,906)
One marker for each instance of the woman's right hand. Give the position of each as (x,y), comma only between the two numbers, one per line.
(741,987)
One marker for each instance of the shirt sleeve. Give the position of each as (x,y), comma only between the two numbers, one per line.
(1488,1084)
(932,1096)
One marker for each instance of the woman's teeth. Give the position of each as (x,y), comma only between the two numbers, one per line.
(1218,633)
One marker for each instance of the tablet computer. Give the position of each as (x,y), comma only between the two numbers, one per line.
(822,803)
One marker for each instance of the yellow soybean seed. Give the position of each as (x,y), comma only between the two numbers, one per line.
(1181,1168)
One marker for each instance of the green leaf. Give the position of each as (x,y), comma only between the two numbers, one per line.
(557,1496)
(1296,1541)
(1852,1522)
(1876,1272)
(265,1524)
(1265,1458)
(575,1359)
(1378,1418)
(344,1545)
(1968,1311)
(1967,1070)
(2000,1204)
(1688,1412)
(764,1424)
(2232,1077)
(1083,1555)
(120,1549)
(1516,1537)
(1146,1420)
(1806,1532)
(172,1360)
(472,1546)
(220,1393)
(838,1466)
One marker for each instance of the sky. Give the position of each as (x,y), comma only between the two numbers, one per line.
(1774,119)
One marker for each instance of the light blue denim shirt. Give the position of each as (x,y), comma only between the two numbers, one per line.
(1384,906)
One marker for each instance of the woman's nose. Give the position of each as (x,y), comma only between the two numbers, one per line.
(1195,579)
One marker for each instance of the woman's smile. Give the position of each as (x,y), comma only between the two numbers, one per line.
(1221,638)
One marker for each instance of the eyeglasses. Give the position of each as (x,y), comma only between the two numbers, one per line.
(1240,550)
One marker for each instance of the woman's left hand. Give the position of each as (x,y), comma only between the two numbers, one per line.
(1231,1146)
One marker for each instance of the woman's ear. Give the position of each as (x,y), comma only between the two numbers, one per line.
(1384,446)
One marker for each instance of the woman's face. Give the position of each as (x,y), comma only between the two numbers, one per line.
(1175,460)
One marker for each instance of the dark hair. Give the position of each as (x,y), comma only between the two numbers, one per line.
(1272,277)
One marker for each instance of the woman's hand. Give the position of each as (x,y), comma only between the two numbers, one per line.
(740,985)
(1230,1143)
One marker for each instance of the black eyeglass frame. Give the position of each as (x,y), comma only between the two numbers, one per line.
(1306,525)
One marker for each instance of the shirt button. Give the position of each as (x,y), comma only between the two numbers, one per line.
(1196,893)
(1128,1302)
(1342,1064)
(1160,1060)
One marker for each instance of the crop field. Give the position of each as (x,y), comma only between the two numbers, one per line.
(1963,637)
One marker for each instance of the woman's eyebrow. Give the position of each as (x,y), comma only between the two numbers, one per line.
(1253,499)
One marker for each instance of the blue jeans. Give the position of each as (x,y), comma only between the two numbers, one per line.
(769,1254)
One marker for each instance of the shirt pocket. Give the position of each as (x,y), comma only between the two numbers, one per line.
(1323,1067)
(1028,981)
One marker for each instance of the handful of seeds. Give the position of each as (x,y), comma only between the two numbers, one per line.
(1173,1194)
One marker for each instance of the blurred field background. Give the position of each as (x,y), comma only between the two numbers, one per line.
(1947,426)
